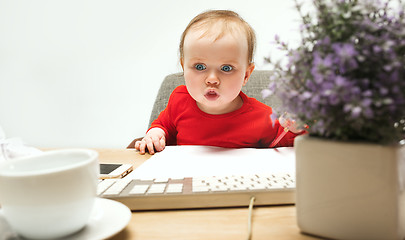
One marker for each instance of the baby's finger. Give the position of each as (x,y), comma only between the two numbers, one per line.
(137,144)
(141,147)
(150,147)
(157,144)
(162,143)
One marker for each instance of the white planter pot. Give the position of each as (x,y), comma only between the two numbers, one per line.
(350,190)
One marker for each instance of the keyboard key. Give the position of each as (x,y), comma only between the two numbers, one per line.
(290,184)
(238,187)
(275,186)
(157,188)
(146,179)
(219,188)
(201,189)
(161,180)
(177,178)
(104,185)
(174,188)
(117,188)
(257,186)
(139,189)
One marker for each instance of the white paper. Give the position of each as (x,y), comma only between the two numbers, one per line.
(194,161)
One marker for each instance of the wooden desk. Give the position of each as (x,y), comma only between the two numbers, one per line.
(273,222)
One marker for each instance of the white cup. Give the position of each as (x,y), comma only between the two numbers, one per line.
(49,195)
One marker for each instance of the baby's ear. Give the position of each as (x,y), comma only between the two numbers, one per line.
(248,72)
(182,63)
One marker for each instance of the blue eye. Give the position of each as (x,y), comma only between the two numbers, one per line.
(200,67)
(226,68)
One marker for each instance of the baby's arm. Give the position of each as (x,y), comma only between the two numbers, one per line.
(154,140)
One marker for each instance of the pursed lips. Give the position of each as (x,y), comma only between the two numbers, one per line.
(211,95)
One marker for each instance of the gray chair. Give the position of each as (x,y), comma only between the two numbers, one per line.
(259,80)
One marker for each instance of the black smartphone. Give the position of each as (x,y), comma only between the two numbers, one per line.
(114,170)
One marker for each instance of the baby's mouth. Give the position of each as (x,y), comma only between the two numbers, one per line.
(211,95)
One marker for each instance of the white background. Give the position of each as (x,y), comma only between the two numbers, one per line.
(85,73)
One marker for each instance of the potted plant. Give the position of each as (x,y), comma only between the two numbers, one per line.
(346,81)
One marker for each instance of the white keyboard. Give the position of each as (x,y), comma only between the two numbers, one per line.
(200,192)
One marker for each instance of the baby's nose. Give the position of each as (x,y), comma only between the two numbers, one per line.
(212,79)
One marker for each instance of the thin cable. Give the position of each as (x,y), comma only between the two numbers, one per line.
(252,200)
(274,143)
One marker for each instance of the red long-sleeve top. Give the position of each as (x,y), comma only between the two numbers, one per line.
(249,126)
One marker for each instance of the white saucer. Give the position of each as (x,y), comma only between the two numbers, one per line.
(107,219)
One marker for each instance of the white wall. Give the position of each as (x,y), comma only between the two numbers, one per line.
(85,73)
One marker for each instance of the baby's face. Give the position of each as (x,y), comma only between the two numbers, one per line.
(216,70)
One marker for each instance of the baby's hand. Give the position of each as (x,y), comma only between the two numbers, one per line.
(154,140)
(291,125)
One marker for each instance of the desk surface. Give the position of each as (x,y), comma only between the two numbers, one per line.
(273,222)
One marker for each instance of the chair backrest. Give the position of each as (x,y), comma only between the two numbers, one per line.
(258,81)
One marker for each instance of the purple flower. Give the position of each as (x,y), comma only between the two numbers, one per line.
(355,112)
(377,49)
(383,91)
(344,50)
(345,80)
(306,95)
(366,102)
(341,81)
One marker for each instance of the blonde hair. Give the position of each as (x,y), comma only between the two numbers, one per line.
(230,22)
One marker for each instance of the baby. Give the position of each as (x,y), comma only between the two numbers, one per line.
(216,54)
